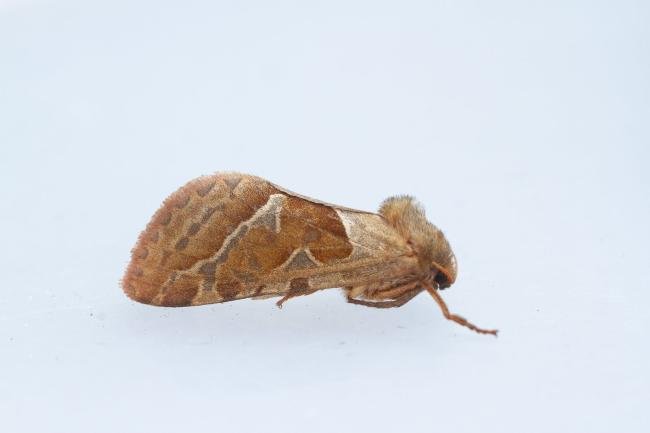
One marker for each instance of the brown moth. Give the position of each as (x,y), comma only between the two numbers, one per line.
(232,236)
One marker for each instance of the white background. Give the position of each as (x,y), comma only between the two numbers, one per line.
(521,126)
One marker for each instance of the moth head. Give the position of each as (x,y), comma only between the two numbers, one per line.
(407,216)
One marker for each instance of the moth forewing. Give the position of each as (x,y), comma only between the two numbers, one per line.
(232,236)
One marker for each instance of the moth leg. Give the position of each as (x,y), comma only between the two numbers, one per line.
(397,302)
(394,292)
(292,293)
(454,317)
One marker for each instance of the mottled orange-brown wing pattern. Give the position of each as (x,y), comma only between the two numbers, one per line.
(232,236)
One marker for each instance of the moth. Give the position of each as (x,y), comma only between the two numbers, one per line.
(232,236)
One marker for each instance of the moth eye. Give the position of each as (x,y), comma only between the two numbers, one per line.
(441,279)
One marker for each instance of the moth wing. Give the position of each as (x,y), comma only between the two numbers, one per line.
(232,236)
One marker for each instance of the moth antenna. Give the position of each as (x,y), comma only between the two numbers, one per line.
(454,317)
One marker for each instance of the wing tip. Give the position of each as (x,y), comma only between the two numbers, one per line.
(131,287)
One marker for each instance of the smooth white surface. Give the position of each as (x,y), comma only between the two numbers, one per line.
(521,126)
